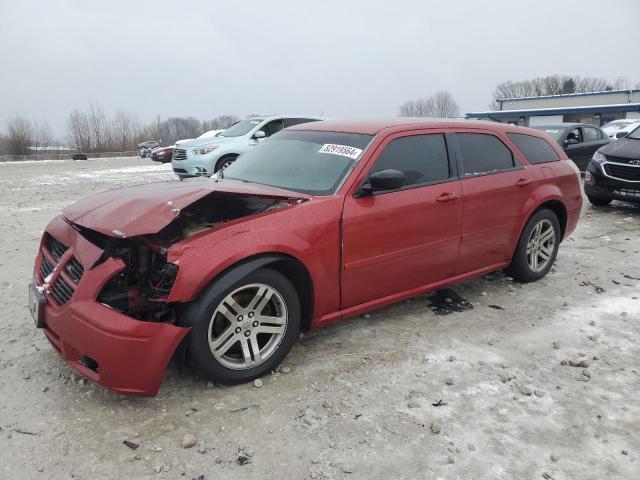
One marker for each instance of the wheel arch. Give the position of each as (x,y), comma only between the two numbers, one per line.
(224,157)
(557,207)
(287,265)
(553,203)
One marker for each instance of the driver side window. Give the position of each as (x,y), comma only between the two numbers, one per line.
(576,134)
(422,158)
(272,127)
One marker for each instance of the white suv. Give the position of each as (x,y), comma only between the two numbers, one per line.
(205,156)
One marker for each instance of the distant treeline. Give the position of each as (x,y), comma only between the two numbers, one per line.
(556,85)
(93,131)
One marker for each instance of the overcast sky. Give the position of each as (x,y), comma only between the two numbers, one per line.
(346,58)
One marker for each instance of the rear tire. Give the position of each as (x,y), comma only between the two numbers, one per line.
(599,201)
(537,247)
(246,330)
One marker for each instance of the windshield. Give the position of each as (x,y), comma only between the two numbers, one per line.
(635,134)
(554,133)
(303,161)
(240,128)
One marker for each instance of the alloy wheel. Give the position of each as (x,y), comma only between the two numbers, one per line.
(540,245)
(248,326)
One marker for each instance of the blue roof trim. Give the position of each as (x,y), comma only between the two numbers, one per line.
(564,95)
(623,107)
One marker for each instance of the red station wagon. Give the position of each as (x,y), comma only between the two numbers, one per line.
(323,221)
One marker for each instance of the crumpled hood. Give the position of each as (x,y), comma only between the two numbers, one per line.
(147,209)
(623,148)
(203,142)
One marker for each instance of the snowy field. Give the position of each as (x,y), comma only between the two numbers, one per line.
(402,393)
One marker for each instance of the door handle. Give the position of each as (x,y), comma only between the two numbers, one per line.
(447,197)
(523,182)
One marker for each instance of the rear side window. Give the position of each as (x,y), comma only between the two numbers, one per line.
(482,154)
(537,150)
(590,134)
(290,122)
(422,158)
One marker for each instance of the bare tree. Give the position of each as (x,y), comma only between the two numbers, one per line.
(123,130)
(225,121)
(219,122)
(443,105)
(42,136)
(98,124)
(79,130)
(414,108)
(621,83)
(591,84)
(440,105)
(20,133)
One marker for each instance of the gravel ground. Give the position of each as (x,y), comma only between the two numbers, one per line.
(356,399)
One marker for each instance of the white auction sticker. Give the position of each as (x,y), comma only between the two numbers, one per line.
(344,150)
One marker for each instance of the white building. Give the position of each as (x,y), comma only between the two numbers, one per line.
(596,108)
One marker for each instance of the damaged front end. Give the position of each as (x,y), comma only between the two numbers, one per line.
(106,281)
(142,287)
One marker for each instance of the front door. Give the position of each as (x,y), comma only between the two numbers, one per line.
(580,153)
(398,240)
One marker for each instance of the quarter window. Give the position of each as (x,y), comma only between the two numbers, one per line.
(422,158)
(537,150)
(482,154)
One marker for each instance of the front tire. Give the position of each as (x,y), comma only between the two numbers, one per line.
(245,331)
(537,247)
(224,162)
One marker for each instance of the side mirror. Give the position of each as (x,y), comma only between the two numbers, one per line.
(621,134)
(382,181)
(571,141)
(259,134)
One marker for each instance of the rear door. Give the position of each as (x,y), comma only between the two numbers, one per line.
(397,240)
(594,138)
(495,187)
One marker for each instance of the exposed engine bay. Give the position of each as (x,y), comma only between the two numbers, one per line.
(140,290)
(213,210)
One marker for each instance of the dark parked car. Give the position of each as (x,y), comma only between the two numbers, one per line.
(614,171)
(162,154)
(145,148)
(321,221)
(579,140)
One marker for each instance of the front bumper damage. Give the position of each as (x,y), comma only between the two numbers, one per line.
(117,351)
